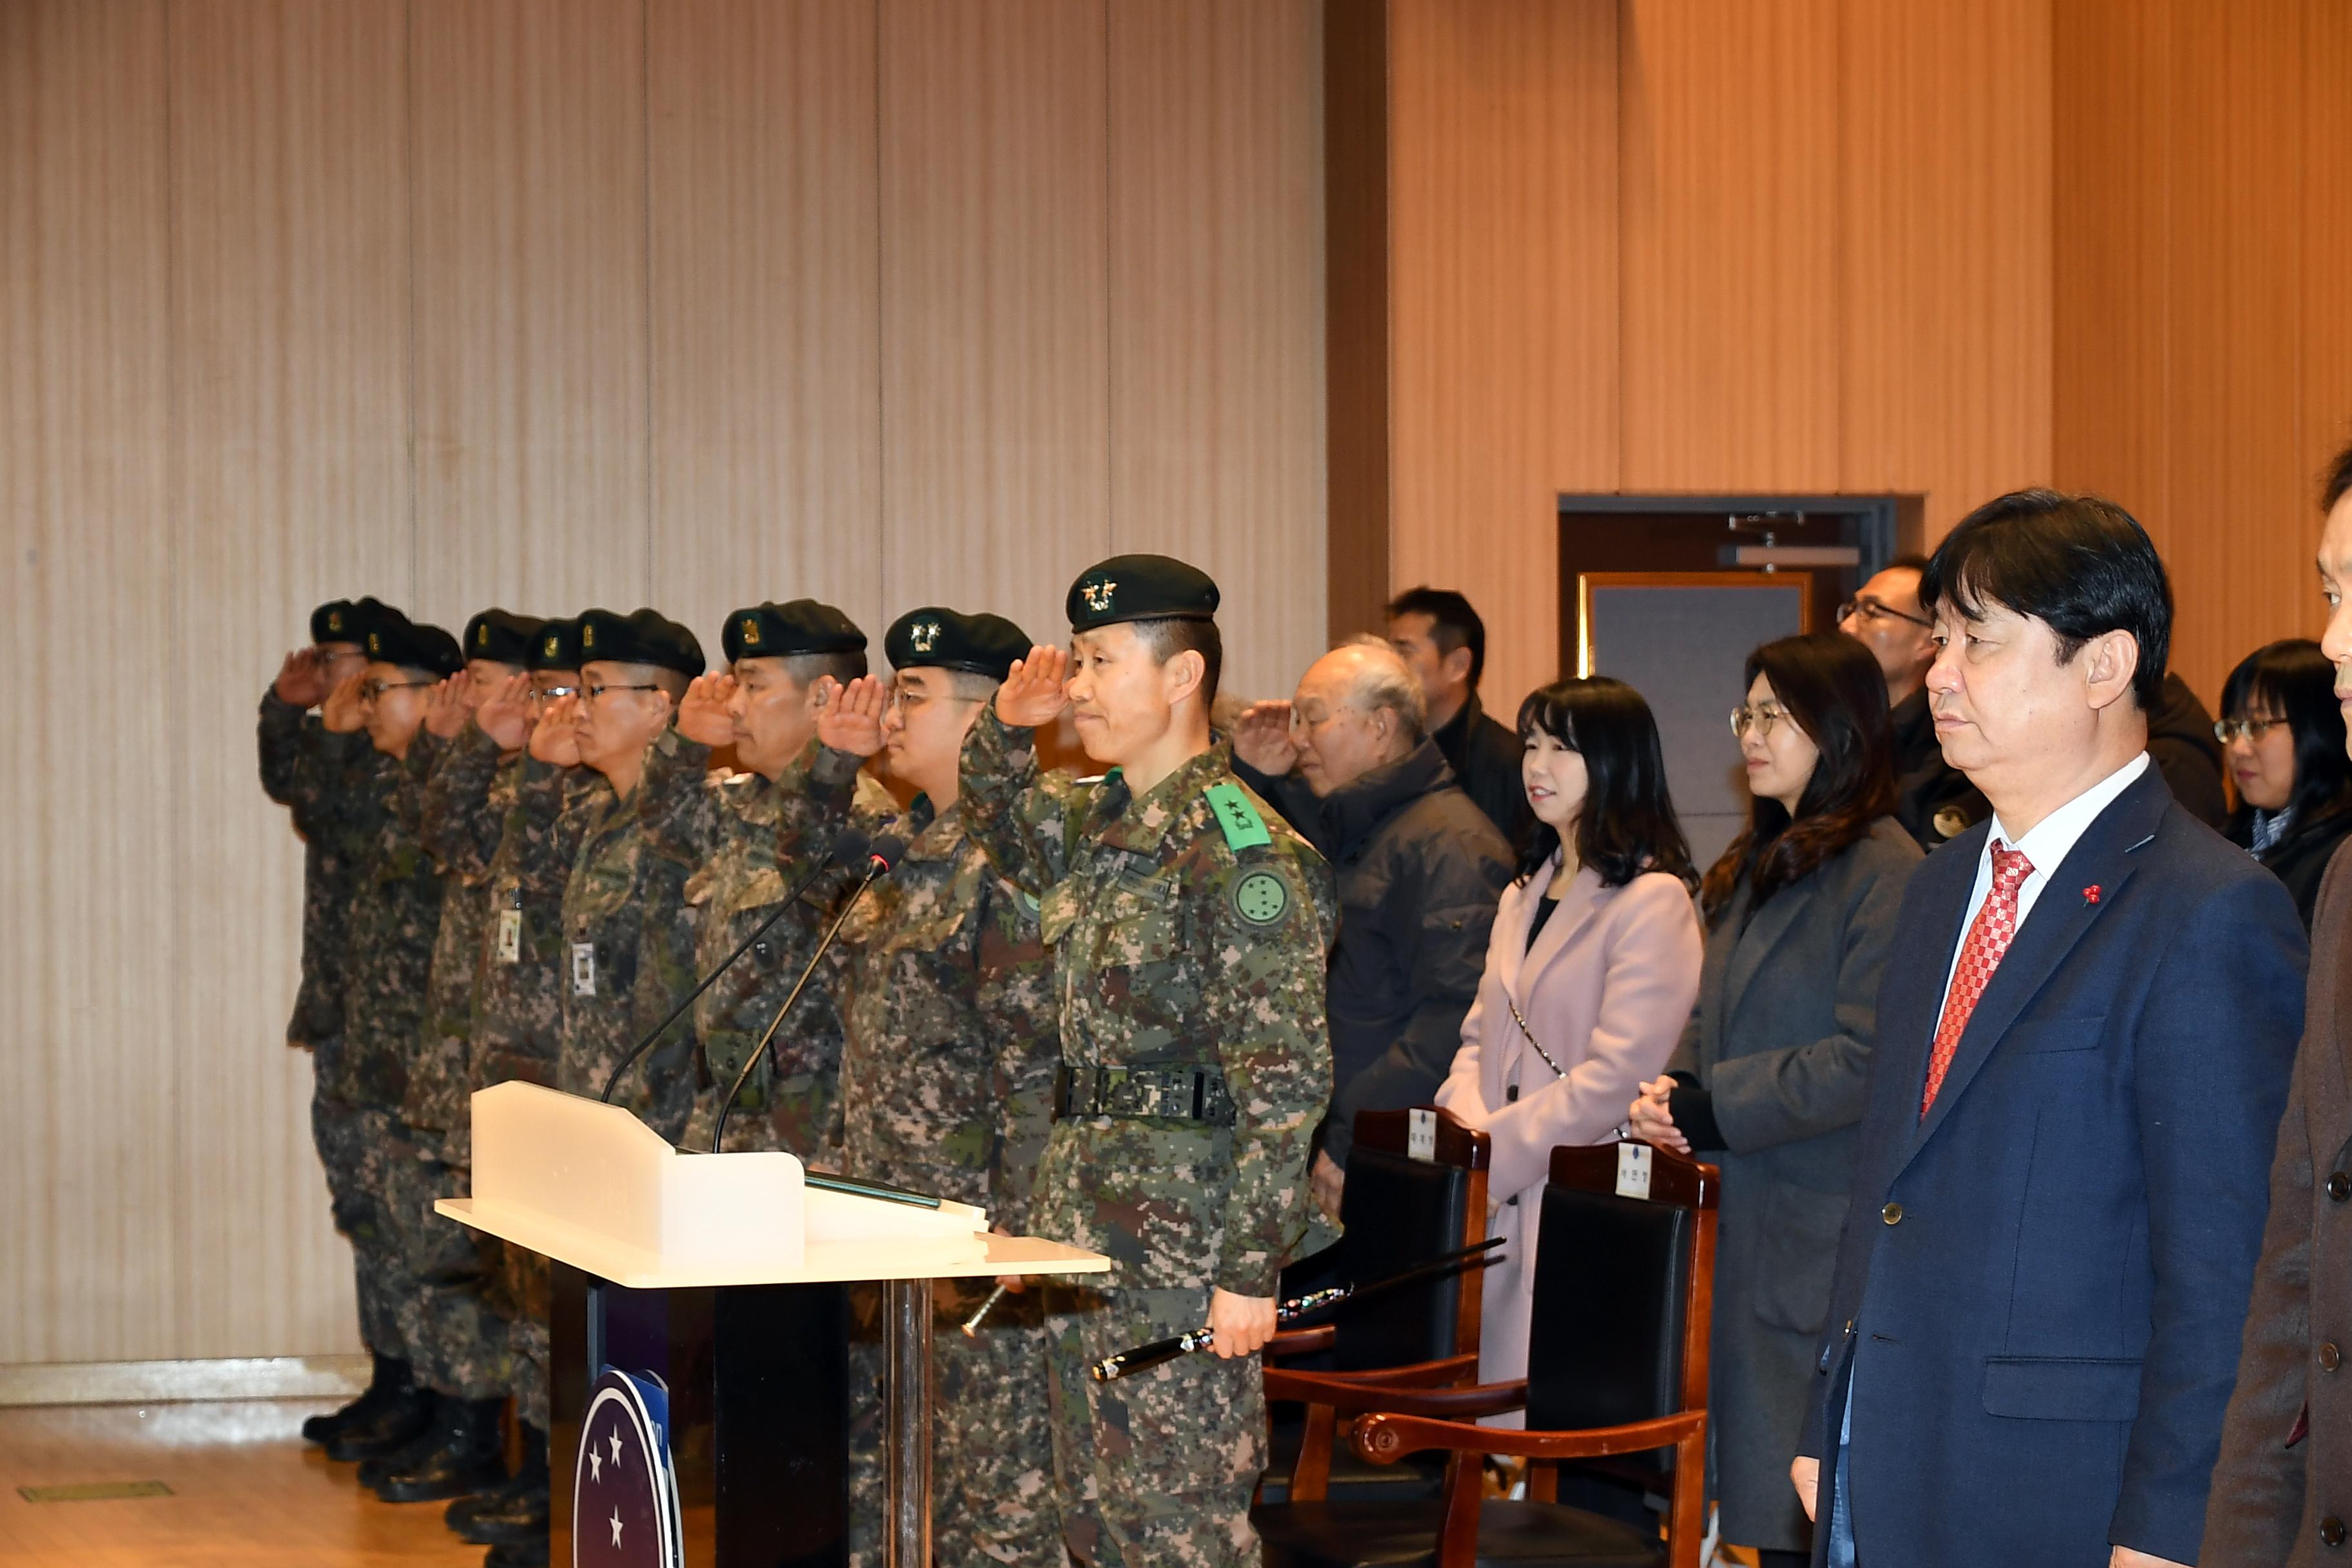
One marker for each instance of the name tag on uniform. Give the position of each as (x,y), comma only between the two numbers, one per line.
(1633,1169)
(583,969)
(510,936)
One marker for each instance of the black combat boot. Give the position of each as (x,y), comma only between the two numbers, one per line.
(523,1499)
(391,1372)
(374,1468)
(467,1456)
(405,1412)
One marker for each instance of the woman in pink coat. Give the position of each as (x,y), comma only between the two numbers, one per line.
(1590,971)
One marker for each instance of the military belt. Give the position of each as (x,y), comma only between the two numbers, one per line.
(1175,1094)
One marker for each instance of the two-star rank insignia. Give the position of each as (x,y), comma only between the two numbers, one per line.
(624,1511)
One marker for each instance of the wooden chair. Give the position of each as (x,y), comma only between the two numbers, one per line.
(1417,1189)
(1616,1366)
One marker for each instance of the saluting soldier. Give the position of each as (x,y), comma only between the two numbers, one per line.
(786,664)
(947,1071)
(1188,926)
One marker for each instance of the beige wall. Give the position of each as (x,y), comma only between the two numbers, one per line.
(548,302)
(1868,246)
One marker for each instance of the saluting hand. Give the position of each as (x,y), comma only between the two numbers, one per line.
(302,679)
(1242,1323)
(852,721)
(702,712)
(505,714)
(555,739)
(340,710)
(1652,1117)
(444,707)
(1034,691)
(1262,738)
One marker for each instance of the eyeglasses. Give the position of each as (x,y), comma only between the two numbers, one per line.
(589,694)
(371,691)
(1763,719)
(550,693)
(2228,730)
(906,702)
(1871,610)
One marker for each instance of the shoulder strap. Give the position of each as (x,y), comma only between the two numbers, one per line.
(1243,827)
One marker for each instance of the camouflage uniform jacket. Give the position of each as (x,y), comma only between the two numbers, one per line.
(462,781)
(629,938)
(1189,929)
(395,916)
(732,833)
(525,963)
(317,775)
(950,1028)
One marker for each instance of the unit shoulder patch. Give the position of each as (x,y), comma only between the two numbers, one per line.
(1261,897)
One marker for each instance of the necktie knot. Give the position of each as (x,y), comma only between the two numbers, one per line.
(2010,870)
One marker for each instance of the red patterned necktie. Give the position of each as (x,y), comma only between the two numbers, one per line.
(1989,940)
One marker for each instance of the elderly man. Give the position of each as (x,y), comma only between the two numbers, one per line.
(1350,763)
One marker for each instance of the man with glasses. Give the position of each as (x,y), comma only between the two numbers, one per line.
(1933,800)
(787,664)
(946,1073)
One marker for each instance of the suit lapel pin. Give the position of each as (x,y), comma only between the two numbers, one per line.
(2091,895)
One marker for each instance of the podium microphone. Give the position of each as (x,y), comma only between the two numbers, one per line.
(881,855)
(850,848)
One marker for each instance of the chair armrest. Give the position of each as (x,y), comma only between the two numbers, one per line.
(1384,1438)
(1380,1389)
(1303,1342)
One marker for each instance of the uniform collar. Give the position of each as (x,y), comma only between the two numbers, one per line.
(1139,824)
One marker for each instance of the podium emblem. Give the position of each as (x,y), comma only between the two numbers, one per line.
(624,1510)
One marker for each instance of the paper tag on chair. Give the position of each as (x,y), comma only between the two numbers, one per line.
(1634,1170)
(1421,1135)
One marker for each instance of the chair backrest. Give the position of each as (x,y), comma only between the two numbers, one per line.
(1410,1196)
(1623,1290)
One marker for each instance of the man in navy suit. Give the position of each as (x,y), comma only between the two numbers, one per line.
(2084,1040)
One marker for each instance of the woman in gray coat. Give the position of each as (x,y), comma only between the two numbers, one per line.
(1768,1081)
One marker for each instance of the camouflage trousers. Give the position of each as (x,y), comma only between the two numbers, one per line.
(1155,1470)
(991,1445)
(346,1137)
(449,1318)
(530,1291)
(803,1121)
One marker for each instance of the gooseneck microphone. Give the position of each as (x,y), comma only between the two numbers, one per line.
(880,857)
(850,848)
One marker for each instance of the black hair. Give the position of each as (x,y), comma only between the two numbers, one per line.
(1627,825)
(2297,682)
(1453,623)
(2079,564)
(1168,635)
(808,669)
(1833,688)
(2338,482)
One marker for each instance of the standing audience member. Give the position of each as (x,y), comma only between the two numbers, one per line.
(2283,735)
(1590,971)
(2283,1487)
(1933,799)
(1349,762)
(2181,745)
(2083,1042)
(1768,1081)
(1441,637)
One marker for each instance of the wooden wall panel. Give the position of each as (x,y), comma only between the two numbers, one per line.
(2326,395)
(290,485)
(528,131)
(89,959)
(1732,329)
(995,349)
(766,402)
(1505,375)
(1945,222)
(1216,331)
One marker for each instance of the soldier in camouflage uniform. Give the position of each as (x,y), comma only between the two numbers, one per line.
(454,773)
(321,773)
(628,931)
(946,1076)
(1188,925)
(786,663)
(395,916)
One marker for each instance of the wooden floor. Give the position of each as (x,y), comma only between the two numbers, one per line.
(246,1492)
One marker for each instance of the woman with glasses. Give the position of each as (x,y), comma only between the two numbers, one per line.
(1767,1081)
(2281,732)
(1591,965)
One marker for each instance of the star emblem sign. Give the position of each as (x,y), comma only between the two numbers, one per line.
(615,1523)
(616,1447)
(595,1466)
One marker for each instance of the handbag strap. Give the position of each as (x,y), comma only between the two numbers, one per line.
(1531,1039)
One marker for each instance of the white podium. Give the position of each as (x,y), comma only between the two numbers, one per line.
(727,1274)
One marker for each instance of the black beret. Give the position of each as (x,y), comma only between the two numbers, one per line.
(502,636)
(1141,588)
(394,638)
(557,646)
(343,620)
(790,631)
(940,638)
(641,636)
